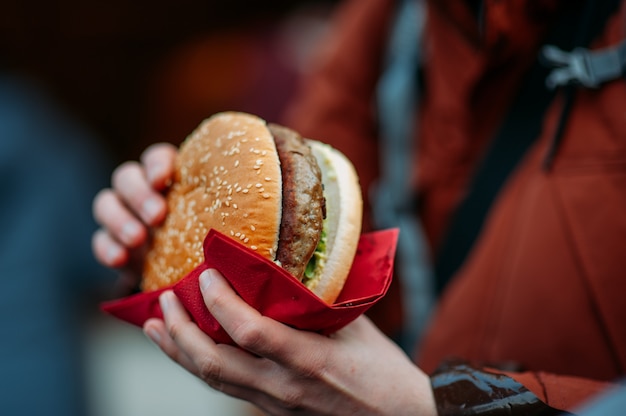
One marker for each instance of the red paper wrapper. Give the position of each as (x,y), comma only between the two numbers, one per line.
(271,290)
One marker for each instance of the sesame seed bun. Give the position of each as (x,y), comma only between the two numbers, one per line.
(228,177)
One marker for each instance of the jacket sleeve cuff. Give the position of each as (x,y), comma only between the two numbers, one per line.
(461,389)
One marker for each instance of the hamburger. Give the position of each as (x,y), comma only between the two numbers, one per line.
(295,201)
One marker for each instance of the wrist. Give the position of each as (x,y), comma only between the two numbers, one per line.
(422,399)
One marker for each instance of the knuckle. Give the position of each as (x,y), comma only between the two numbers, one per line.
(210,370)
(291,397)
(101,198)
(98,200)
(175,330)
(122,171)
(101,204)
(157,149)
(98,239)
(249,335)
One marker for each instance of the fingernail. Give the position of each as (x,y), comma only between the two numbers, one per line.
(153,335)
(206,278)
(164,301)
(151,208)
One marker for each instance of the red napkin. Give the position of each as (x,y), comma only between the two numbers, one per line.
(271,290)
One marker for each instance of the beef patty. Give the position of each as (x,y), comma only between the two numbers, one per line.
(303,206)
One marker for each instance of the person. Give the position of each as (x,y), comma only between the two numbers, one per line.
(531,320)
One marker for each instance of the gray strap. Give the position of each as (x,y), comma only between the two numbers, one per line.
(392,198)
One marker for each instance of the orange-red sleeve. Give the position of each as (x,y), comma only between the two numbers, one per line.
(559,391)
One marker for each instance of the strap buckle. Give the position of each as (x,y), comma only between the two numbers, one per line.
(582,66)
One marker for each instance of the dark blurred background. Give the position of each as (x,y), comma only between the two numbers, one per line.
(132,70)
(85,85)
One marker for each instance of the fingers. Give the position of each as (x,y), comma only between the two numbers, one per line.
(133,204)
(260,335)
(155,330)
(133,189)
(225,368)
(120,223)
(221,366)
(107,250)
(120,231)
(158,161)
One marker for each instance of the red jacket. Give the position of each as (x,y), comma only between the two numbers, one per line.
(544,282)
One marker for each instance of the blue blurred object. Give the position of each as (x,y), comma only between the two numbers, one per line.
(610,403)
(50,169)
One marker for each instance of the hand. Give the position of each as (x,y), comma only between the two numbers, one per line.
(133,205)
(286,371)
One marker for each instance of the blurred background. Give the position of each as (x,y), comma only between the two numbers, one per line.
(85,85)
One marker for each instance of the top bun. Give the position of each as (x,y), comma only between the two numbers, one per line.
(227,177)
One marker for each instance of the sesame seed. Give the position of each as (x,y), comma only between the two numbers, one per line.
(258,185)
(253,247)
(266,195)
(253,228)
